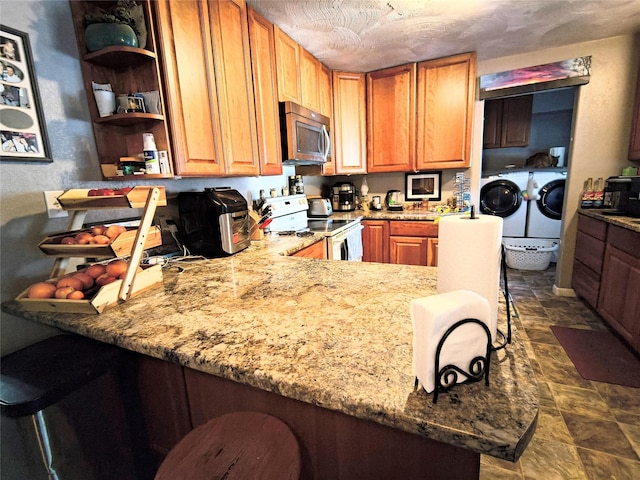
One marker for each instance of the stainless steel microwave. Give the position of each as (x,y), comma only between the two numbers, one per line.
(305,135)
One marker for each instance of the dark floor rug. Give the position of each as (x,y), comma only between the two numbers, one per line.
(600,356)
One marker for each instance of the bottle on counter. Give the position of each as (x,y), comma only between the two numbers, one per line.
(587,194)
(598,193)
(150,152)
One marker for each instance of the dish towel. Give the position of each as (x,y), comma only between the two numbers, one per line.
(431,317)
(354,244)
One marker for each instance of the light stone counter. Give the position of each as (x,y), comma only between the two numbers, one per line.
(613,217)
(333,334)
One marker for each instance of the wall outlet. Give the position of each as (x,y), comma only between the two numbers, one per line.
(54,209)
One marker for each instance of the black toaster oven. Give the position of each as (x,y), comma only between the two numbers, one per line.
(213,223)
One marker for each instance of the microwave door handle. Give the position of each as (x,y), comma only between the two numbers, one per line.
(327,143)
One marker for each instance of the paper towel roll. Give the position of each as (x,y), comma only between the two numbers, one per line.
(469,258)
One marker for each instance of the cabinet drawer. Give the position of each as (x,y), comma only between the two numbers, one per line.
(593,227)
(414,229)
(625,240)
(586,283)
(589,251)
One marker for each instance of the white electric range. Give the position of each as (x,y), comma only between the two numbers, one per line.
(343,238)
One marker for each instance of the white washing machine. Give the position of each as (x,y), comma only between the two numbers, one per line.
(501,195)
(545,215)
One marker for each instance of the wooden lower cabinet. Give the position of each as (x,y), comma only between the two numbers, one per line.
(375,241)
(588,259)
(408,250)
(333,445)
(315,250)
(619,299)
(164,405)
(401,242)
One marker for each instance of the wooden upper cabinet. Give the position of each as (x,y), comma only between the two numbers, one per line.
(183,31)
(288,66)
(265,90)
(209,86)
(445,100)
(507,122)
(325,88)
(634,142)
(349,134)
(234,81)
(309,77)
(391,119)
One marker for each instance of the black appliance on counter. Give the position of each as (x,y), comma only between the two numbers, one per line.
(343,197)
(214,223)
(623,193)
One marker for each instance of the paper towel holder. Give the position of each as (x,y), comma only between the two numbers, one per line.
(507,298)
(447,376)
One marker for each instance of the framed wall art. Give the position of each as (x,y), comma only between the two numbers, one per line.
(22,125)
(423,186)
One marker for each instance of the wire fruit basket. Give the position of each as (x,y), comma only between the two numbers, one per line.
(529,254)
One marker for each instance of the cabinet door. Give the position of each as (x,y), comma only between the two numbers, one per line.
(619,302)
(192,103)
(446,92)
(432,252)
(163,399)
(408,250)
(234,82)
(288,65)
(516,121)
(309,77)
(266,93)
(375,241)
(634,142)
(325,88)
(349,134)
(492,124)
(391,108)
(507,122)
(315,250)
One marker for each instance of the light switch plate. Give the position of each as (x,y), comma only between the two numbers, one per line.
(54,209)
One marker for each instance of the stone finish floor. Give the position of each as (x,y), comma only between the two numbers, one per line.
(586,430)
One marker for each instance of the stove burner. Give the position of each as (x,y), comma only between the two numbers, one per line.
(290,233)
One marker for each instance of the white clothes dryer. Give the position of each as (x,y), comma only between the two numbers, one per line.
(544,219)
(501,195)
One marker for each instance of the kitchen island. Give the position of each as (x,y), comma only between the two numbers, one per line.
(330,338)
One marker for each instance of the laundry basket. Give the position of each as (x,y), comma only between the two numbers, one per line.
(529,253)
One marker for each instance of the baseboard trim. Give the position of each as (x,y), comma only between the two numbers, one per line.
(563,292)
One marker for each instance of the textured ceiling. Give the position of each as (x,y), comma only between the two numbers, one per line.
(365,35)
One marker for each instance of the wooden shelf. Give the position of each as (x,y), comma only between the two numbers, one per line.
(128,119)
(144,176)
(119,57)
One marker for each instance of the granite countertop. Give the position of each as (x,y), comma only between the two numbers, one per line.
(415,215)
(334,334)
(613,217)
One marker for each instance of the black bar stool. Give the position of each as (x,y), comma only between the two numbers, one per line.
(65,408)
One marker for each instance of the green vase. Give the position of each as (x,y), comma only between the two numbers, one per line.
(101,35)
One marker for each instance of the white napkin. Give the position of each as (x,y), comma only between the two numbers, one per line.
(431,317)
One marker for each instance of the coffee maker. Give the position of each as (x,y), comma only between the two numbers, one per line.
(343,197)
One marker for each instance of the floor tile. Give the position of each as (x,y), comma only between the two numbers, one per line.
(551,461)
(581,401)
(551,426)
(632,433)
(601,435)
(599,466)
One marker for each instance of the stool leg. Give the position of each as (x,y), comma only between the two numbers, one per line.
(40,428)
